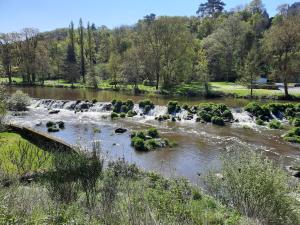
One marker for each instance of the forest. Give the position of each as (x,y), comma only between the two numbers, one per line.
(238,45)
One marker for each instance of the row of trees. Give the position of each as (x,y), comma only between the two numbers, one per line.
(240,44)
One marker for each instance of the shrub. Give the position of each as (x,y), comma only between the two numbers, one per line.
(275,124)
(293,135)
(122,115)
(296,122)
(18,101)
(146,105)
(255,187)
(114,115)
(227,114)
(173,107)
(152,132)
(138,143)
(259,122)
(151,144)
(256,110)
(205,116)
(217,120)
(131,113)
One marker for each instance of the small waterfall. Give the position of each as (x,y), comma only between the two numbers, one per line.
(243,118)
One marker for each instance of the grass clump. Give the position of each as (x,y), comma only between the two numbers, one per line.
(122,107)
(259,122)
(114,115)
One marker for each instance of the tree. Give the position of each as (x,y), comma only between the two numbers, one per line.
(212,8)
(81,46)
(27,44)
(251,68)
(281,44)
(202,70)
(91,57)
(6,49)
(114,69)
(70,62)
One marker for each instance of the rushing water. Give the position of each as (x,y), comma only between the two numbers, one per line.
(199,145)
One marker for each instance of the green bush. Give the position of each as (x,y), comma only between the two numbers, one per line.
(257,110)
(205,116)
(227,114)
(259,122)
(138,143)
(146,105)
(122,115)
(255,187)
(114,115)
(217,121)
(151,144)
(173,107)
(131,113)
(152,132)
(19,101)
(293,135)
(296,122)
(275,124)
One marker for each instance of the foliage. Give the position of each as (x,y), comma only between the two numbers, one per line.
(146,105)
(254,187)
(293,135)
(18,101)
(173,107)
(275,124)
(217,121)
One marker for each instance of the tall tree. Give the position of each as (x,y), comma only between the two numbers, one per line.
(91,56)
(6,49)
(81,46)
(70,63)
(211,8)
(281,43)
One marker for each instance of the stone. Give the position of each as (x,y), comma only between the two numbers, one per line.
(54,111)
(120,130)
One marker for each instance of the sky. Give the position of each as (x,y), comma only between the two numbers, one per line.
(47,15)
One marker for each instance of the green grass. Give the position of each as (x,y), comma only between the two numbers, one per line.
(19,156)
(242,91)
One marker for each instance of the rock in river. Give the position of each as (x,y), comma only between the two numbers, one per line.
(120,130)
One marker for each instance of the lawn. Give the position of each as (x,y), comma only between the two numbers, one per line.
(241,91)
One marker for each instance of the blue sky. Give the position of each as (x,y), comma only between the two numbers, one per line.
(50,14)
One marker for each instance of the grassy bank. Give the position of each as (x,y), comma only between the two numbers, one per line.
(72,189)
(194,89)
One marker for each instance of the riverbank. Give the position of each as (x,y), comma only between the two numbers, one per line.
(39,187)
(217,89)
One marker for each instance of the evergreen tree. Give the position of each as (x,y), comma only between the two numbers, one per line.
(81,45)
(211,8)
(70,64)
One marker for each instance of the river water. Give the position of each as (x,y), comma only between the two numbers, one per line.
(199,146)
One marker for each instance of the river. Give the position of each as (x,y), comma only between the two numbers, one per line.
(199,146)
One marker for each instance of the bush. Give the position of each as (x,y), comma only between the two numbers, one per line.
(138,143)
(296,122)
(275,124)
(255,187)
(114,115)
(227,114)
(257,110)
(146,105)
(122,115)
(18,101)
(152,132)
(131,113)
(217,120)
(151,144)
(205,116)
(259,122)
(173,107)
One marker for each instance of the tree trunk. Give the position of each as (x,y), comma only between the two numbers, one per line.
(286,89)
(157,80)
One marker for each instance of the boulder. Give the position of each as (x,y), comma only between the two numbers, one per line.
(120,130)
(54,111)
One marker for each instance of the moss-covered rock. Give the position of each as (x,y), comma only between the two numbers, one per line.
(260,122)
(114,115)
(146,105)
(173,107)
(218,121)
